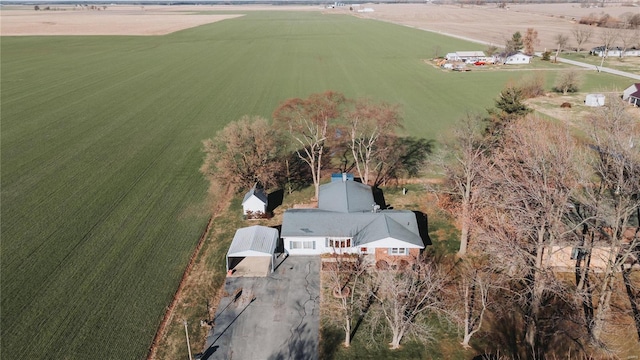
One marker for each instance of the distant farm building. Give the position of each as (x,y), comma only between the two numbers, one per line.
(466,56)
(518,58)
(594,100)
(632,94)
(614,52)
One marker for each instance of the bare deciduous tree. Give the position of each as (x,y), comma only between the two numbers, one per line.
(561,41)
(462,159)
(405,296)
(528,187)
(246,151)
(612,196)
(568,81)
(627,37)
(476,283)
(582,34)
(309,123)
(345,280)
(370,127)
(608,37)
(404,156)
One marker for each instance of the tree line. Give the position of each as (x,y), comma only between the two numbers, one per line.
(521,188)
(325,131)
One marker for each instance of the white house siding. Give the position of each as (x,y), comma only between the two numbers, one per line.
(517,59)
(254,204)
(303,245)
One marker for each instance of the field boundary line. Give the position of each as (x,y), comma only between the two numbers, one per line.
(169,313)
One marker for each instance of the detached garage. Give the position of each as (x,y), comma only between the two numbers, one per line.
(254,246)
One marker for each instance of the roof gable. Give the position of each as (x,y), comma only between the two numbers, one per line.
(385,227)
(255,192)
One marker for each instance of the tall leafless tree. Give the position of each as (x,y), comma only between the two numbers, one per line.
(475,287)
(612,196)
(462,159)
(345,279)
(371,125)
(582,34)
(628,37)
(561,41)
(529,185)
(608,37)
(405,296)
(309,122)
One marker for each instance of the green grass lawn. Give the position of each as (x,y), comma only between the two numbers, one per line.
(102,201)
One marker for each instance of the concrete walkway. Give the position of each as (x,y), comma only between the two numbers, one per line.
(272,318)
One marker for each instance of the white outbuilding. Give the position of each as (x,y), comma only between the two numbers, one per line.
(594,100)
(255,202)
(253,242)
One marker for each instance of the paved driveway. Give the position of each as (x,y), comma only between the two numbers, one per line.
(273,318)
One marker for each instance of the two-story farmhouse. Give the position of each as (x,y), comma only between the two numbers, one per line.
(347,221)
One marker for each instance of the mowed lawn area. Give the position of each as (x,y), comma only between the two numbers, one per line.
(102,200)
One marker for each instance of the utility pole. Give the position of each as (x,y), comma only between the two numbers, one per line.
(186,331)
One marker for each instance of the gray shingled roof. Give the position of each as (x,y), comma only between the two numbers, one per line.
(363,227)
(345,197)
(253,240)
(259,193)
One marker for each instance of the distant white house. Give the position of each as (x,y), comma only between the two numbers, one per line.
(347,221)
(255,202)
(614,52)
(518,58)
(594,100)
(632,94)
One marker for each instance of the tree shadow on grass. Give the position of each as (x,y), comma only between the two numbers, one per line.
(330,341)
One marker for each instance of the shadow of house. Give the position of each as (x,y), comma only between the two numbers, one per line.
(423,227)
(274,199)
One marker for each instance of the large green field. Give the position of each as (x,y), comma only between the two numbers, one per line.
(101,199)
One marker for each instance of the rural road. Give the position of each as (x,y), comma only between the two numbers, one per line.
(566,61)
(604,69)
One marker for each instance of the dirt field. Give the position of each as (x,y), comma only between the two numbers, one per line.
(493,25)
(486,23)
(114,20)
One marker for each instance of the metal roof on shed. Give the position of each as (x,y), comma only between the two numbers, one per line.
(257,192)
(253,241)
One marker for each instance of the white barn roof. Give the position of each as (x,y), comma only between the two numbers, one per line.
(253,241)
(470,54)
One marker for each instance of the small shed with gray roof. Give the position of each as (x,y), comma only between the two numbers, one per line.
(253,241)
(255,202)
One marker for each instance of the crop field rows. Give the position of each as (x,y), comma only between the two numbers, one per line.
(102,201)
